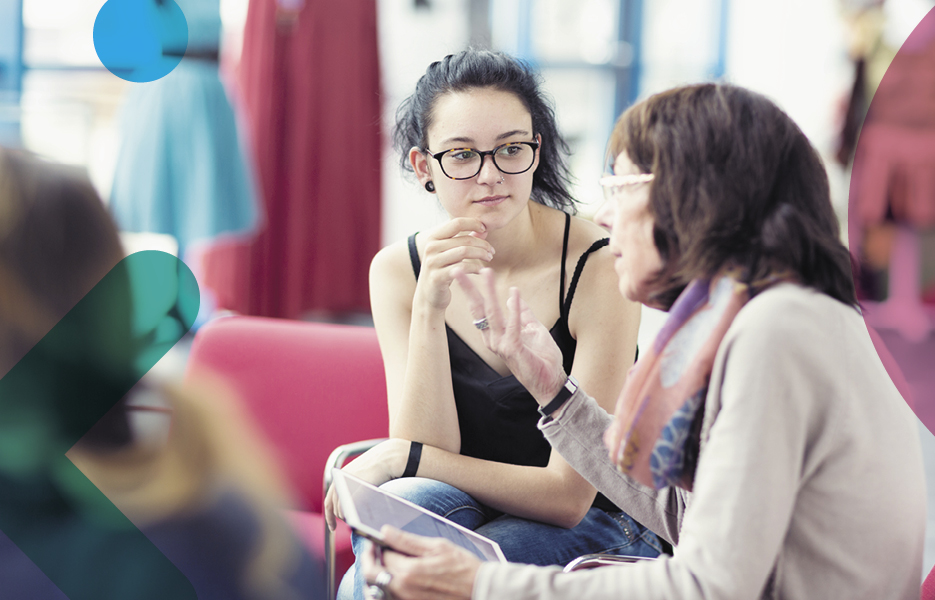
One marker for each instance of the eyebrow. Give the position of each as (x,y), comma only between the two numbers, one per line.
(467,140)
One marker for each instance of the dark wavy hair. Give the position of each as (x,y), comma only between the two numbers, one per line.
(736,183)
(487,69)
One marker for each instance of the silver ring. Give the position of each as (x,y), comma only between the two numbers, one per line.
(375,592)
(481,323)
(501,179)
(383,579)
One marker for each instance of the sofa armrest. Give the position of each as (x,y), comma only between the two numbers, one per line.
(336,460)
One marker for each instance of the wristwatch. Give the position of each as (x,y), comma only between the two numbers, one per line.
(567,391)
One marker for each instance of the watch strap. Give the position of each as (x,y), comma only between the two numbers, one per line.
(567,391)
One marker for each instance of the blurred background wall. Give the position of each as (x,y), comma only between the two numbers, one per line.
(597,57)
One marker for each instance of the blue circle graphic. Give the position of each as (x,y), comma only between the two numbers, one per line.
(140,40)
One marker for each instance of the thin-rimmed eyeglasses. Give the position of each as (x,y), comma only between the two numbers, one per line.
(614,184)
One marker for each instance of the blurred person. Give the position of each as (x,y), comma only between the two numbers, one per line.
(892,195)
(479,133)
(760,433)
(203,489)
(870,56)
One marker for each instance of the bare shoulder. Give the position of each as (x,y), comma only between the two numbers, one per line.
(587,230)
(583,235)
(392,276)
(392,259)
(597,296)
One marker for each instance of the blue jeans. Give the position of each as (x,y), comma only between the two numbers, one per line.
(521,540)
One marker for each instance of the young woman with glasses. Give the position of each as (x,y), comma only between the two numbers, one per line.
(479,133)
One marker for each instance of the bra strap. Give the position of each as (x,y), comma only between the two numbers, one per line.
(414,256)
(561,284)
(578,268)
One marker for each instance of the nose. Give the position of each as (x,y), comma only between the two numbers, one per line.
(489,173)
(605,215)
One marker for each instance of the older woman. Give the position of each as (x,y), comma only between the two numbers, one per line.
(760,433)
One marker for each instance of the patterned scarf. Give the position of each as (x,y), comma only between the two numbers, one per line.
(655,435)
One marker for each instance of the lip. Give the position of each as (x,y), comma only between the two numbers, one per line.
(491,200)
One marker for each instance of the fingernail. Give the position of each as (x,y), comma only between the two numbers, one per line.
(490,256)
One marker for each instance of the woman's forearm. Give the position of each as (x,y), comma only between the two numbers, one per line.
(554,494)
(577,432)
(425,411)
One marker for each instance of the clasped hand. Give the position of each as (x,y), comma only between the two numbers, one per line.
(376,466)
(517,337)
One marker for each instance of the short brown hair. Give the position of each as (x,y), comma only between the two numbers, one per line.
(56,242)
(736,182)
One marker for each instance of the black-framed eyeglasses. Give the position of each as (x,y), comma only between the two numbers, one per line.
(512,158)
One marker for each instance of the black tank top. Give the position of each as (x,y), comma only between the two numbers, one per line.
(497,417)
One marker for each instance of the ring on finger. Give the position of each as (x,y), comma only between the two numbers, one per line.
(375,592)
(481,323)
(383,580)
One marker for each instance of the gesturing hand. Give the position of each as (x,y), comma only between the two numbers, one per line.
(457,244)
(523,343)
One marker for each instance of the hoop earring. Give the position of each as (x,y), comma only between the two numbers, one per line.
(430,187)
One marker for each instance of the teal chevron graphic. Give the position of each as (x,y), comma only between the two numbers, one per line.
(53,396)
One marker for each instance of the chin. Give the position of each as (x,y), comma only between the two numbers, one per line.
(495,220)
(633,294)
(626,291)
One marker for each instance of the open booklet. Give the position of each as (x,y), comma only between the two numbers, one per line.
(367,508)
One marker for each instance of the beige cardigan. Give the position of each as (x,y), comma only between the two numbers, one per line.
(809,482)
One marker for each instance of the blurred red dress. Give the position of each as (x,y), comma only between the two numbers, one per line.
(311,94)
